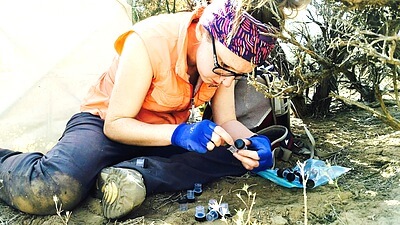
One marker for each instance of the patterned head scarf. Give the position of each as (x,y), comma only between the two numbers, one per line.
(246,40)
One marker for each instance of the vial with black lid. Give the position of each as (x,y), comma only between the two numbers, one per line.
(190,196)
(224,210)
(200,214)
(310,183)
(183,203)
(198,190)
(287,174)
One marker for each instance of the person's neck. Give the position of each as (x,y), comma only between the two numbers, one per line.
(192,46)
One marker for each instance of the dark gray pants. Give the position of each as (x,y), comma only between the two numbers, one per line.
(28,181)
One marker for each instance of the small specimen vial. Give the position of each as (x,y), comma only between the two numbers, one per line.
(239,144)
(212,204)
(200,214)
(198,189)
(224,210)
(310,183)
(190,196)
(287,174)
(183,204)
(140,162)
(212,215)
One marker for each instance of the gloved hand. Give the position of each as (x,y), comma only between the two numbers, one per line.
(262,145)
(193,137)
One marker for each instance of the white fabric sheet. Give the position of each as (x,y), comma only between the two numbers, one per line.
(51,51)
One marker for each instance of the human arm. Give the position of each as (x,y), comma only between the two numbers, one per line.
(260,156)
(132,82)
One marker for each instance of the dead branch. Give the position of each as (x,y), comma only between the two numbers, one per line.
(394,123)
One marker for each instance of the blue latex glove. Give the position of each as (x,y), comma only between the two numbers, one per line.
(193,137)
(262,145)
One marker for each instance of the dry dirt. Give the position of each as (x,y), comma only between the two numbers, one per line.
(368,194)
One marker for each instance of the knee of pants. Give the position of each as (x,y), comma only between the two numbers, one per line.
(42,197)
(44,205)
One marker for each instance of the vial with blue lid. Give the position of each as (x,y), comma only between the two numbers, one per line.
(212,215)
(200,214)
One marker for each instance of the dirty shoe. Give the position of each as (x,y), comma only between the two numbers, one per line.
(122,191)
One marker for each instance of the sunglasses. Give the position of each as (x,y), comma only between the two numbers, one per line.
(218,69)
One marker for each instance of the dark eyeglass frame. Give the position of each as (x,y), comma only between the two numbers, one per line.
(229,73)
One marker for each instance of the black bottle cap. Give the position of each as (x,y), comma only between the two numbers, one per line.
(290,177)
(310,183)
(280,173)
(239,143)
(182,200)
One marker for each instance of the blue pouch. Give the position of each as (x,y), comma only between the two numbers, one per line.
(317,171)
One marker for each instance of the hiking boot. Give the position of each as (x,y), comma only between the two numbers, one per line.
(122,191)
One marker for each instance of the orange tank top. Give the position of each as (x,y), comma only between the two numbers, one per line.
(168,99)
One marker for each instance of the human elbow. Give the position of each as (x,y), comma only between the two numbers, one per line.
(109,130)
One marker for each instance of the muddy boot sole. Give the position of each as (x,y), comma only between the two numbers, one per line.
(122,191)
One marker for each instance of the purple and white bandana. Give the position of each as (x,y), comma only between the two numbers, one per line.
(247,40)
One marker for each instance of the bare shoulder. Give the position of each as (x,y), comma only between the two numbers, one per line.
(134,44)
(134,54)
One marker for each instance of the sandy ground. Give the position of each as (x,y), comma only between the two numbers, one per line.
(368,194)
